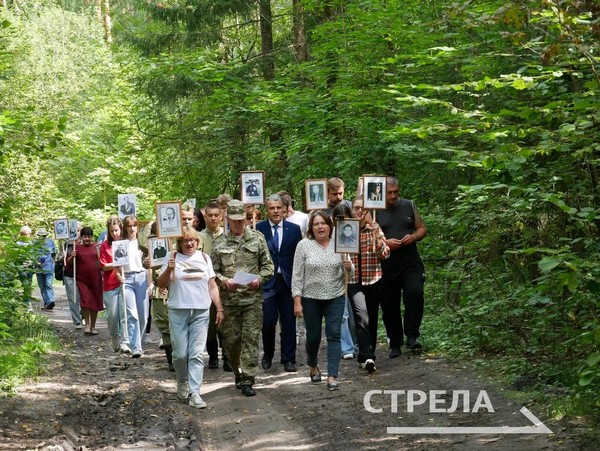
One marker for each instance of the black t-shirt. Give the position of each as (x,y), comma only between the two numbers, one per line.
(397,222)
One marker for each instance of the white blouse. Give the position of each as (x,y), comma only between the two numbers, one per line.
(318,272)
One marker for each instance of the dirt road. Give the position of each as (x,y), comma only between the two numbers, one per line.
(94,399)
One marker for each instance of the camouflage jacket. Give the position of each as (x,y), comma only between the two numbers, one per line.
(251,255)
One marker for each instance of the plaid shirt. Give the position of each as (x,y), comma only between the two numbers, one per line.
(370,269)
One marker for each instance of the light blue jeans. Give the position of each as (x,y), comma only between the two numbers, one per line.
(73,298)
(189,329)
(348,346)
(137,304)
(45,280)
(314,311)
(113,301)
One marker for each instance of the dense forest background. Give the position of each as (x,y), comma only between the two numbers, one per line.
(487,111)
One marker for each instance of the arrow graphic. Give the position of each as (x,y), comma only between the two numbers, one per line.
(537,428)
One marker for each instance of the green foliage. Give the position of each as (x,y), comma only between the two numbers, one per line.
(486,111)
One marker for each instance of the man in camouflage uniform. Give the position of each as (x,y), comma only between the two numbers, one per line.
(241,249)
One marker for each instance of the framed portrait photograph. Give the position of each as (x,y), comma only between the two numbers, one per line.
(73,229)
(157,251)
(143,232)
(316,194)
(252,186)
(120,252)
(347,236)
(168,219)
(374,192)
(61,229)
(127,205)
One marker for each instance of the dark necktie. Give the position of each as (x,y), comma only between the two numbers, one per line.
(276,235)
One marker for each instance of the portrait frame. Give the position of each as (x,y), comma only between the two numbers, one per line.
(310,186)
(374,188)
(344,245)
(152,247)
(73,226)
(252,187)
(167,226)
(126,205)
(143,232)
(63,224)
(120,260)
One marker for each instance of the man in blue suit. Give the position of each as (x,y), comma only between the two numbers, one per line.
(282,238)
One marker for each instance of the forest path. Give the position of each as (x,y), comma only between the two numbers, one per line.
(91,398)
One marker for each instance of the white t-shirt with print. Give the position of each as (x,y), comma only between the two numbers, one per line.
(188,286)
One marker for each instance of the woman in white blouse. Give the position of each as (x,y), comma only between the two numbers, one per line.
(318,290)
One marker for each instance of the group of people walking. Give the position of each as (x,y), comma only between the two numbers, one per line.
(228,282)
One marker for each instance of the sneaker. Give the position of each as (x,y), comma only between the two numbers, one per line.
(197,402)
(370,366)
(348,356)
(412,343)
(124,348)
(362,364)
(136,354)
(78,326)
(213,363)
(333,385)
(49,305)
(114,341)
(182,390)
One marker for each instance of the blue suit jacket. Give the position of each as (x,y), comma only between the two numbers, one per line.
(284,257)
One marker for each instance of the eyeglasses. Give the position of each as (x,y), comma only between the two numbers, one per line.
(357,208)
(189,241)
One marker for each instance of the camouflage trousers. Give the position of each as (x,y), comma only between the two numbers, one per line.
(241,333)
(160,315)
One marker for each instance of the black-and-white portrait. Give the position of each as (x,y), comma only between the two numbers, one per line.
(158,248)
(347,236)
(120,251)
(127,205)
(61,229)
(168,221)
(73,229)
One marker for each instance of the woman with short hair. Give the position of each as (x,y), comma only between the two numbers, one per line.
(190,277)
(88,279)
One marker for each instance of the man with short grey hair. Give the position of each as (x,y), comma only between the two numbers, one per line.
(282,238)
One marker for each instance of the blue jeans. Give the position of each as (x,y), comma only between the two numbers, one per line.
(333,310)
(45,280)
(73,298)
(347,341)
(137,305)
(189,329)
(115,318)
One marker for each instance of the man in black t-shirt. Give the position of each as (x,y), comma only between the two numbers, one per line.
(403,271)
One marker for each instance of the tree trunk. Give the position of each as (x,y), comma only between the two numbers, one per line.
(107,21)
(266,35)
(300,46)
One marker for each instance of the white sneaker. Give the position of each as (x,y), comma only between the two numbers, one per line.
(348,356)
(183,391)
(114,341)
(370,366)
(125,349)
(196,401)
(78,326)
